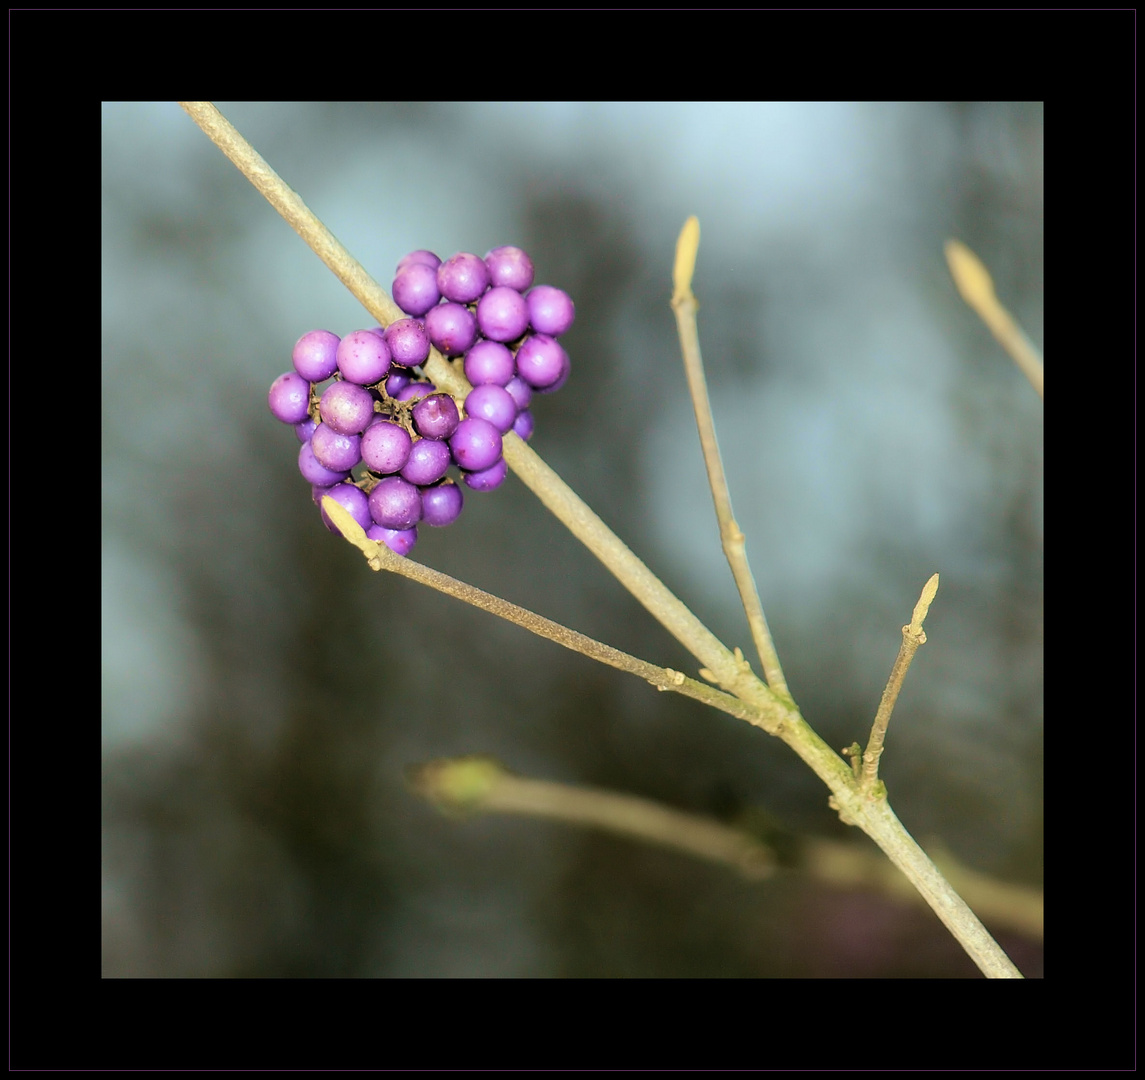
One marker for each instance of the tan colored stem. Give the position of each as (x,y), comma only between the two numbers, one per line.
(685,306)
(977,288)
(913,636)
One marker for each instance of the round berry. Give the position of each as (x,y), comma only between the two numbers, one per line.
(428,460)
(476,444)
(395,503)
(413,391)
(502,314)
(399,541)
(487,479)
(451,327)
(315,355)
(489,362)
(520,391)
(289,398)
(541,361)
(415,289)
(436,416)
(523,425)
(551,311)
(426,258)
(462,278)
(385,447)
(353,500)
(397,381)
(441,504)
(492,403)
(510,266)
(346,407)
(305,429)
(339,453)
(363,357)
(408,342)
(314,472)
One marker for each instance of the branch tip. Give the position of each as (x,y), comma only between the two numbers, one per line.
(687,246)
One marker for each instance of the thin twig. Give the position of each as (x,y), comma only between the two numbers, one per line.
(685,306)
(977,289)
(381,557)
(480,784)
(913,636)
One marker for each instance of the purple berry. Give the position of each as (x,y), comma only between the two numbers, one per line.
(441,504)
(289,398)
(305,429)
(492,403)
(397,381)
(510,266)
(426,258)
(476,444)
(395,503)
(363,357)
(428,460)
(462,278)
(541,361)
(353,500)
(520,391)
(315,355)
(408,342)
(436,416)
(502,314)
(551,311)
(346,407)
(399,541)
(487,479)
(414,391)
(314,472)
(523,425)
(489,362)
(336,452)
(451,327)
(415,289)
(385,447)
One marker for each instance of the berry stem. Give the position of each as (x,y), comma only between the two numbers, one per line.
(685,306)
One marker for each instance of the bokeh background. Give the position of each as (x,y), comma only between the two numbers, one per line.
(263,691)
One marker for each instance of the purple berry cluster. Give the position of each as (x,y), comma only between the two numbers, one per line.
(376,434)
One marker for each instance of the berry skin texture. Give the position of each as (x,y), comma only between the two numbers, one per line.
(428,460)
(385,447)
(502,314)
(489,362)
(476,444)
(315,355)
(551,311)
(346,407)
(289,398)
(511,267)
(408,342)
(395,503)
(427,258)
(492,403)
(436,417)
(462,278)
(415,289)
(451,327)
(441,505)
(487,479)
(339,453)
(314,472)
(399,541)
(541,362)
(523,425)
(363,357)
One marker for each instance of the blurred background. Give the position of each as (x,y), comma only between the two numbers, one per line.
(263,692)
